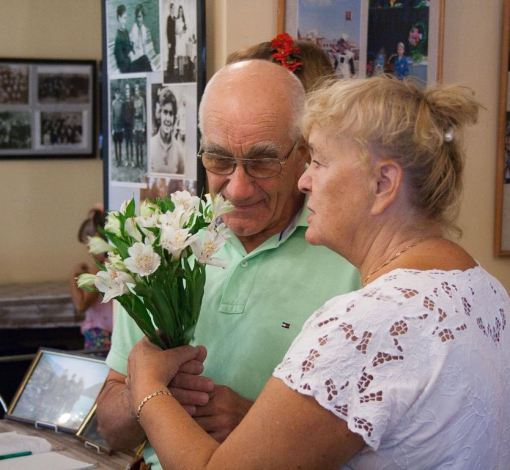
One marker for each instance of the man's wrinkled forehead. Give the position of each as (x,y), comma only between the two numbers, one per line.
(244,122)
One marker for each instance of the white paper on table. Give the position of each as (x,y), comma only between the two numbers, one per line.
(12,443)
(48,460)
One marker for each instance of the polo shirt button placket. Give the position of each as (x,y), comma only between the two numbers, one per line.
(244,264)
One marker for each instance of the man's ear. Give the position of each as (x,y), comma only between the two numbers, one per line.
(388,177)
(303,152)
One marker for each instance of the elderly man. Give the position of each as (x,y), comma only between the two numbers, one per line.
(254,155)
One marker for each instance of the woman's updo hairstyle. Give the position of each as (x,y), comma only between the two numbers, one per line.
(421,129)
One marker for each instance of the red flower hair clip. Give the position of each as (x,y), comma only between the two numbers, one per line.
(286,51)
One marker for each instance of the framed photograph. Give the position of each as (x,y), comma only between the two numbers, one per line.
(47,109)
(502,215)
(372,37)
(154,64)
(59,390)
(89,433)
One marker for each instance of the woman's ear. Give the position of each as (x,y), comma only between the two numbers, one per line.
(388,177)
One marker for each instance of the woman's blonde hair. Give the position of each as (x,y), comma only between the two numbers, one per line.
(421,129)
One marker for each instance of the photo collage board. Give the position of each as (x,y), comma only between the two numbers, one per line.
(153,76)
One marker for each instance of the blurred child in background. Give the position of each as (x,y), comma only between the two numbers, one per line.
(97,326)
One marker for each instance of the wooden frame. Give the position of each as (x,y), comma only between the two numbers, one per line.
(47,109)
(370,34)
(59,390)
(139,156)
(502,213)
(89,433)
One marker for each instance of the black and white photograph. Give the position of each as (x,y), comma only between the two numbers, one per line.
(133,36)
(58,88)
(14,84)
(59,390)
(61,129)
(128,130)
(179,40)
(15,130)
(47,109)
(168,136)
(173,130)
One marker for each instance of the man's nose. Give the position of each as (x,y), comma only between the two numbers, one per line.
(240,184)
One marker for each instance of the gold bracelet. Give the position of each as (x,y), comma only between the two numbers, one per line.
(147,398)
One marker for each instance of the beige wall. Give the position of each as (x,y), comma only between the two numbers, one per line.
(44,201)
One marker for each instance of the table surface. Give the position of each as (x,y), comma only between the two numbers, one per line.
(69,445)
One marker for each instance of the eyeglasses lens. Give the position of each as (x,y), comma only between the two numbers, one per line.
(257,168)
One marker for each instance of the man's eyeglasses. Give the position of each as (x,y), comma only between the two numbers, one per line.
(260,166)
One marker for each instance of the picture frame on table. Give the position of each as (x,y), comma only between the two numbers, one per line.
(59,390)
(362,37)
(151,136)
(47,109)
(90,435)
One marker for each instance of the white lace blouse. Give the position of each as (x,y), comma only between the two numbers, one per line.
(418,364)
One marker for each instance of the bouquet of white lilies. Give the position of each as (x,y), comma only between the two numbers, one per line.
(150,269)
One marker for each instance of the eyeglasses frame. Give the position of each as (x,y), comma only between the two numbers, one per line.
(244,162)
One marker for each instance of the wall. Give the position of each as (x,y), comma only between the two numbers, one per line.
(46,200)
(471,57)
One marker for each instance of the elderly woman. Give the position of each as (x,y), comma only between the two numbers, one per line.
(411,371)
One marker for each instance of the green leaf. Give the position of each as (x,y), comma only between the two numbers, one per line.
(130,209)
(138,312)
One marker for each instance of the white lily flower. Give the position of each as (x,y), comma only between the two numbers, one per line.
(176,219)
(148,208)
(185,200)
(143,260)
(150,238)
(213,241)
(146,221)
(85,280)
(123,207)
(115,262)
(113,283)
(98,245)
(175,240)
(112,223)
(132,229)
(220,206)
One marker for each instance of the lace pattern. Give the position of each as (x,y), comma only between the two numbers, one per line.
(413,353)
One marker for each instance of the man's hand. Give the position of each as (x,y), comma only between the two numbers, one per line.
(188,387)
(224,411)
(117,422)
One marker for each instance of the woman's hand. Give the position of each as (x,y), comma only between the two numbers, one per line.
(151,369)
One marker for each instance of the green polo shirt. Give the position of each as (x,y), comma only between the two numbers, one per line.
(253,309)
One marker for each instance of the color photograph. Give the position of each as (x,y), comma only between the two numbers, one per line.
(59,390)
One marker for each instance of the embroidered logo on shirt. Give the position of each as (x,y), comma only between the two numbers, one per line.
(285,325)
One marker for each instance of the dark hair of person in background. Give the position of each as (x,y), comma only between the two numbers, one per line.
(90,226)
(316,64)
